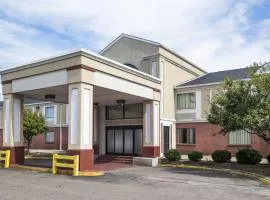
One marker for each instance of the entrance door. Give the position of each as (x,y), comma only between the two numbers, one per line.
(166,138)
(124,140)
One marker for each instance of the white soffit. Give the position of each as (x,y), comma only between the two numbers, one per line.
(121,85)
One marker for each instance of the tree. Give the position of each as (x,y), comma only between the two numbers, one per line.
(244,104)
(33,124)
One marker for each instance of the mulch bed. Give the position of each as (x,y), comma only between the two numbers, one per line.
(261,169)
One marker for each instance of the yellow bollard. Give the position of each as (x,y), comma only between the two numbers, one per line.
(7,161)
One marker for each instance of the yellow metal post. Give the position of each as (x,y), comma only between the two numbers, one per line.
(54,170)
(7,160)
(76,166)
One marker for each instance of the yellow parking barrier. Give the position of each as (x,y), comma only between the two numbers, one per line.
(5,156)
(74,165)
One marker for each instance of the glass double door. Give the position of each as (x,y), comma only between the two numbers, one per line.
(124,140)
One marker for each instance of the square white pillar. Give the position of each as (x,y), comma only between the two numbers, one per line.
(13,120)
(151,129)
(81,116)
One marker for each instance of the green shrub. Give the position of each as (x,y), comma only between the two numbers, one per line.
(268,158)
(195,156)
(221,156)
(173,155)
(248,156)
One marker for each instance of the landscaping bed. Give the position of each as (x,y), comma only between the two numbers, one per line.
(261,169)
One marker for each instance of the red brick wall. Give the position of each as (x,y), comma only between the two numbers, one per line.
(38,141)
(208,140)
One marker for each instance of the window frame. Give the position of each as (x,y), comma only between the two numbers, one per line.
(185,93)
(238,144)
(178,136)
(48,142)
(154,68)
(123,112)
(50,120)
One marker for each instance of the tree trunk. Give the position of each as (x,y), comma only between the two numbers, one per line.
(28,146)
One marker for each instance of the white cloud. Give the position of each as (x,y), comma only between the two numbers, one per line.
(214,34)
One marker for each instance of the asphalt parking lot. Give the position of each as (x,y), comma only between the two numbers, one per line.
(130,183)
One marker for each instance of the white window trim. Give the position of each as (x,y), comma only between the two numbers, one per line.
(188,110)
(55,114)
(198,104)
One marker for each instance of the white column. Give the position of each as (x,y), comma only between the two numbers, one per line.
(151,124)
(81,116)
(13,120)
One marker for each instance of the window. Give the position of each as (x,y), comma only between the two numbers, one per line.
(130,111)
(133,111)
(185,136)
(154,69)
(115,112)
(186,101)
(49,137)
(50,113)
(240,137)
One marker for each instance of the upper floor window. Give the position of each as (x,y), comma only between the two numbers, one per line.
(130,111)
(154,70)
(49,113)
(186,101)
(239,137)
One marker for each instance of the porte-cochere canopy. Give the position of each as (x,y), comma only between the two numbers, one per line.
(81,79)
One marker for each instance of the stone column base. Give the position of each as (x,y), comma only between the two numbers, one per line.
(151,151)
(86,161)
(16,154)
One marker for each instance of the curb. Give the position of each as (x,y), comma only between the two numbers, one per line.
(264,179)
(62,172)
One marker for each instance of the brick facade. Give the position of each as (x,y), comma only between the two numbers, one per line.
(208,140)
(38,141)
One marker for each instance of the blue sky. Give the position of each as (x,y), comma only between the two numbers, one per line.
(214,34)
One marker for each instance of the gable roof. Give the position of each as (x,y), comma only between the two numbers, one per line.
(149,42)
(217,77)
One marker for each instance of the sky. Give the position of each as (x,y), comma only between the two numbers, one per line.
(214,34)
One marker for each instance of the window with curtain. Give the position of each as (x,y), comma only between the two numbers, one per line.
(240,137)
(185,136)
(50,113)
(49,137)
(186,101)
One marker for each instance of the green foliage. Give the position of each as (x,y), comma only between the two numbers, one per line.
(173,155)
(221,156)
(33,124)
(268,158)
(195,156)
(244,105)
(248,156)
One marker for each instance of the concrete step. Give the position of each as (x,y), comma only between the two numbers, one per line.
(114,159)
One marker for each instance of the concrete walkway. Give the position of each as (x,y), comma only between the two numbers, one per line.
(130,183)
